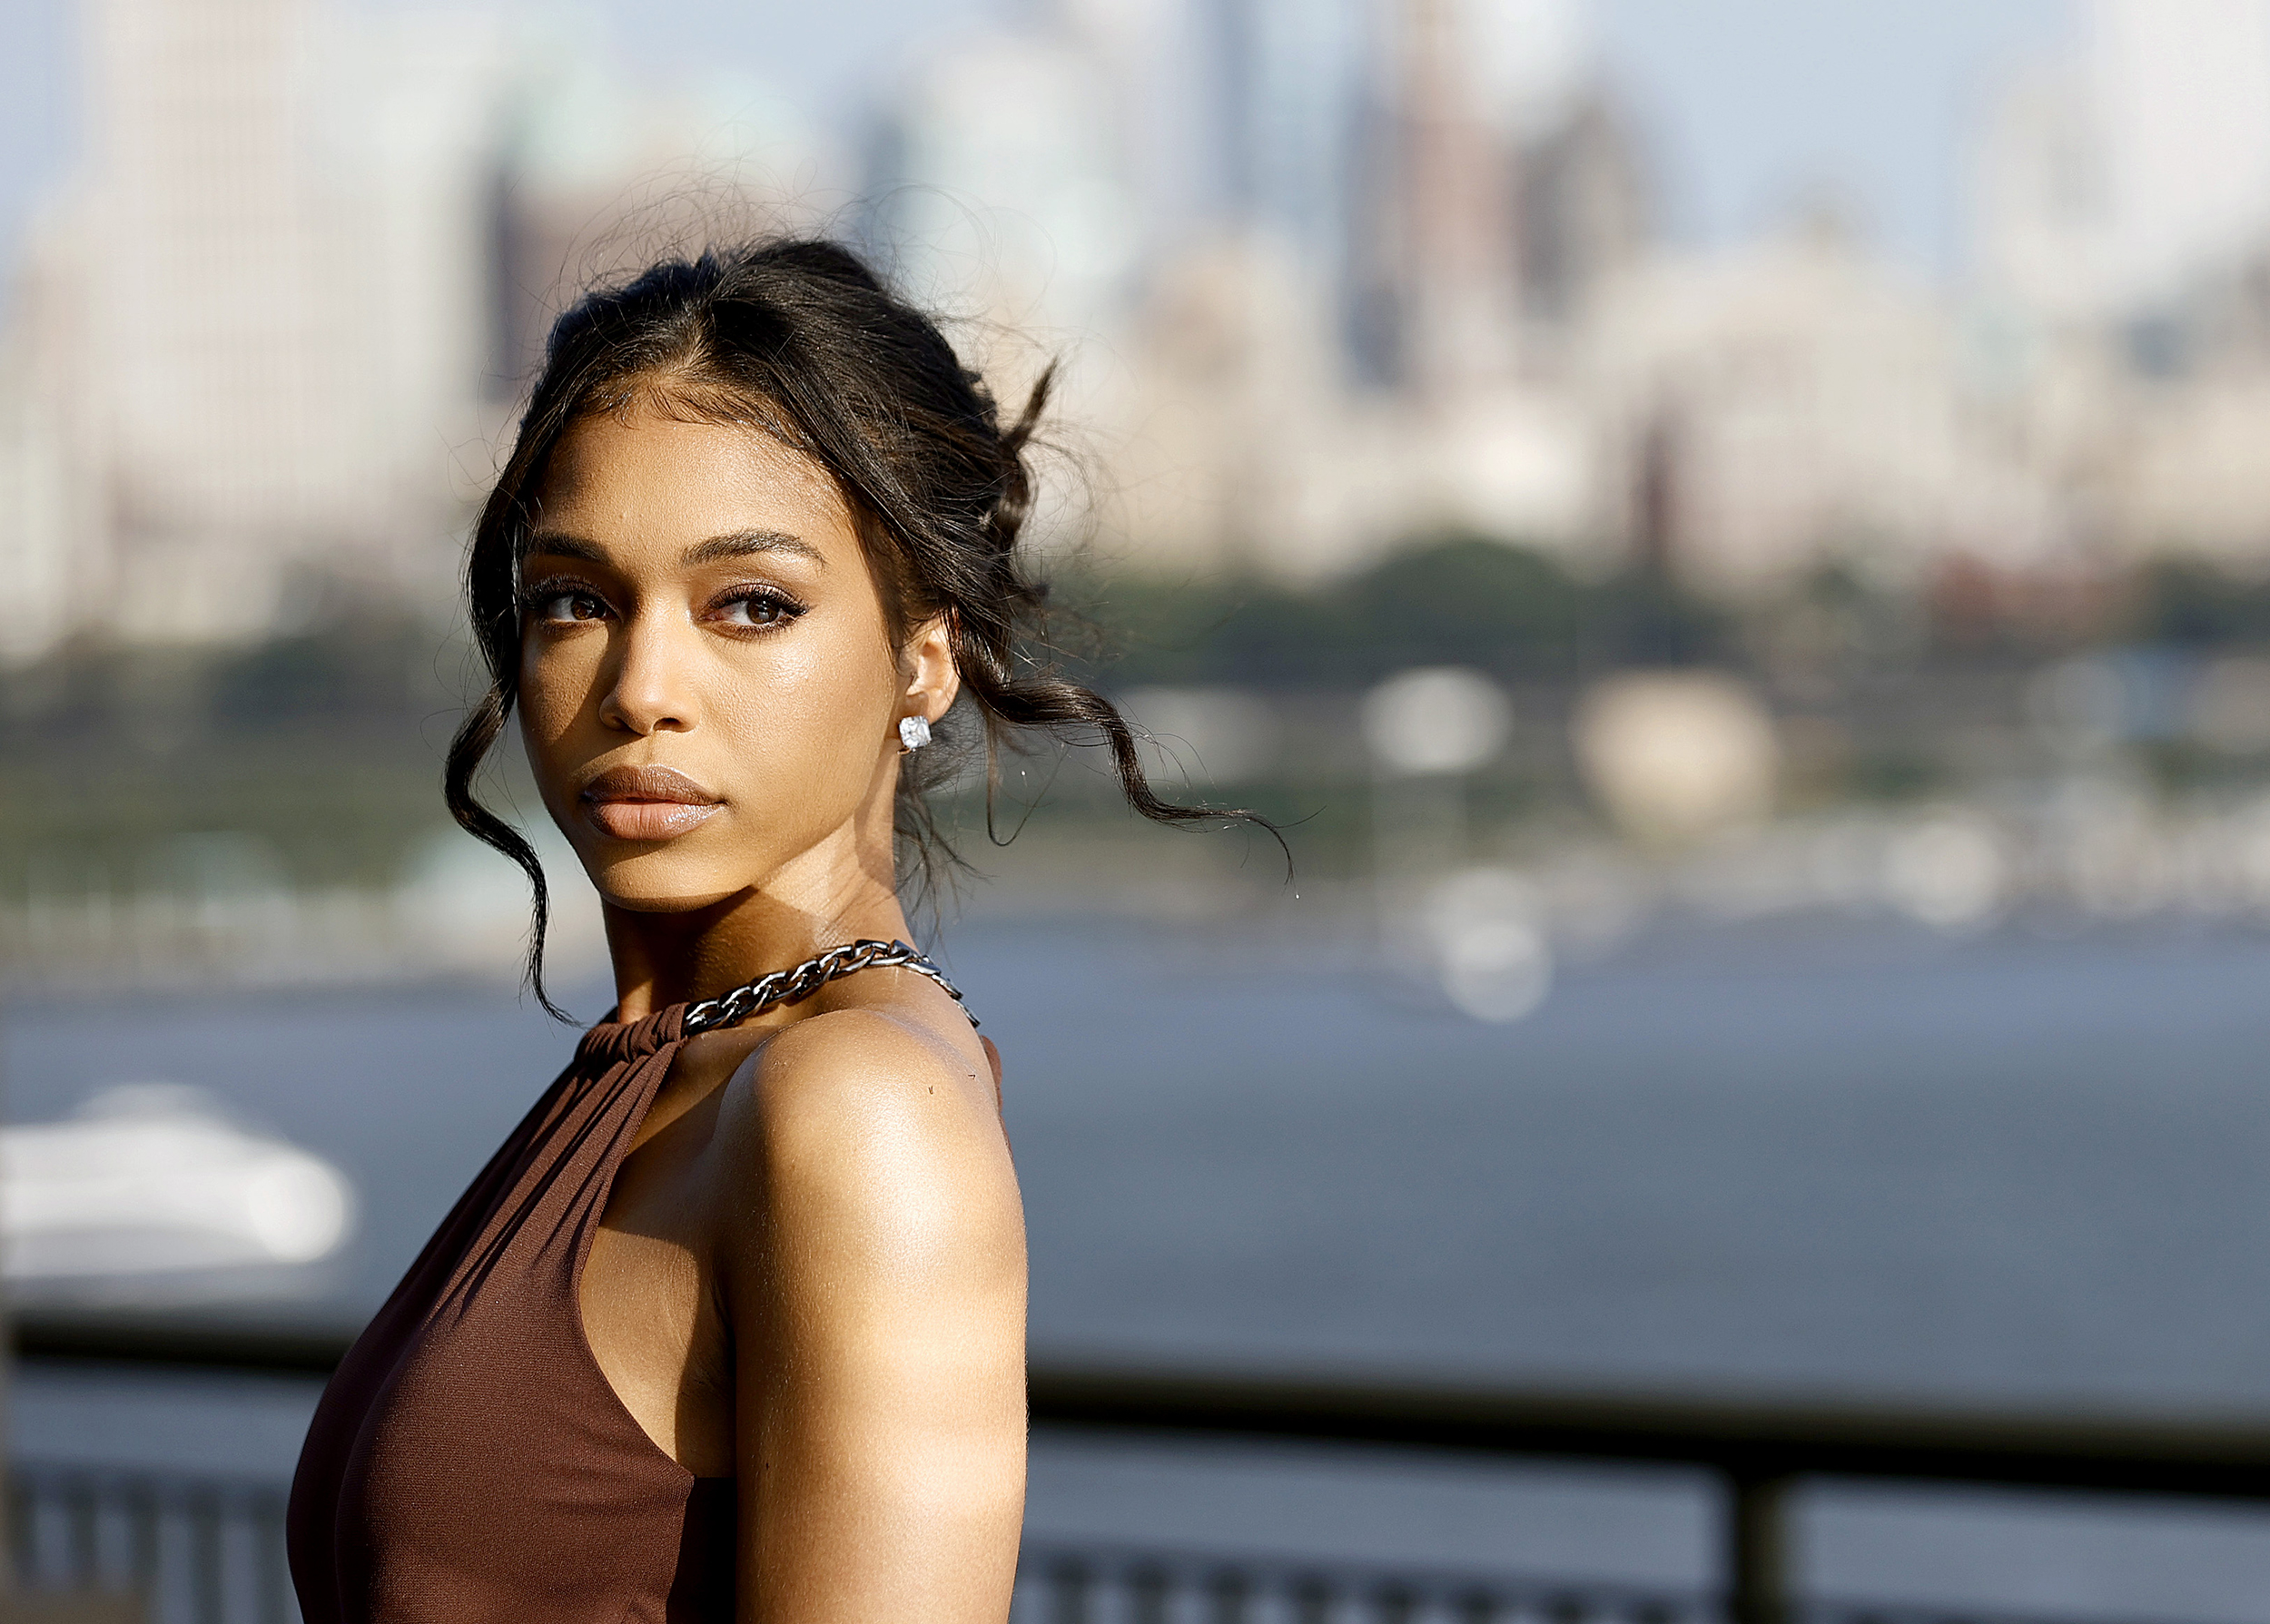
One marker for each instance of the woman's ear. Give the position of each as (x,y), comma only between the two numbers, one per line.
(931,678)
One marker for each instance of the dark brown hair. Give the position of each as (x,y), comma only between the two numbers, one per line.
(800,340)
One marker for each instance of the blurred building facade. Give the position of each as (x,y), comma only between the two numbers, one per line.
(1411,285)
(1327,276)
(264,342)
(246,331)
(2122,198)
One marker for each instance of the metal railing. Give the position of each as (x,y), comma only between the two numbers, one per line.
(1094,1584)
(213,1551)
(198,1550)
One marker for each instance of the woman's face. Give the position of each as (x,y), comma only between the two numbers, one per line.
(709,688)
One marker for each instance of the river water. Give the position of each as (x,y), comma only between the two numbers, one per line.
(1799,1159)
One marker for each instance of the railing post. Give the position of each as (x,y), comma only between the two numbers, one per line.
(1757,1548)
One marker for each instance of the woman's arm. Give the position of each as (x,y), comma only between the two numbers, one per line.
(876,1285)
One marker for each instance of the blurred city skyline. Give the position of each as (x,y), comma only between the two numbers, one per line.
(1397,335)
(1750,104)
(1330,277)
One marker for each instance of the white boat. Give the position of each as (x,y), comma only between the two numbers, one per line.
(157,1181)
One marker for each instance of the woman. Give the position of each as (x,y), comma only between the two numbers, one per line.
(733,1326)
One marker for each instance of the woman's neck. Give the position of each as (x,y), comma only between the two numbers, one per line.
(663,958)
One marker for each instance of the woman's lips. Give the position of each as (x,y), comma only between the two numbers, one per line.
(649,820)
(646,803)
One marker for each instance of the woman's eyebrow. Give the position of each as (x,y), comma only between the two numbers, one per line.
(560,546)
(742,544)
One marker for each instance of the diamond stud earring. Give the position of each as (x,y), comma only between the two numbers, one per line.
(914,733)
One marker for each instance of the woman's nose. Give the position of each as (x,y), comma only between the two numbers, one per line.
(651,691)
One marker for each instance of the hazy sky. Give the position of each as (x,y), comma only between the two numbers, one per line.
(1752,104)
(1748,103)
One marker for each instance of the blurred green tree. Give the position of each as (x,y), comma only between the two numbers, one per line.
(1452,600)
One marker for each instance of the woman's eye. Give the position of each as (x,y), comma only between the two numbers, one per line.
(758,609)
(567,606)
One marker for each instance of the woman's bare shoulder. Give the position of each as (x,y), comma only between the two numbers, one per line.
(858,1123)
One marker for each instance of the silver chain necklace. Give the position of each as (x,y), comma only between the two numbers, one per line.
(801,981)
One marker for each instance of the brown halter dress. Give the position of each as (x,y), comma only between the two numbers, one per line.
(470,1461)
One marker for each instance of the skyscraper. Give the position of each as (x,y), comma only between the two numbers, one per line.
(1002,184)
(1502,186)
(219,359)
(2110,179)
(255,322)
